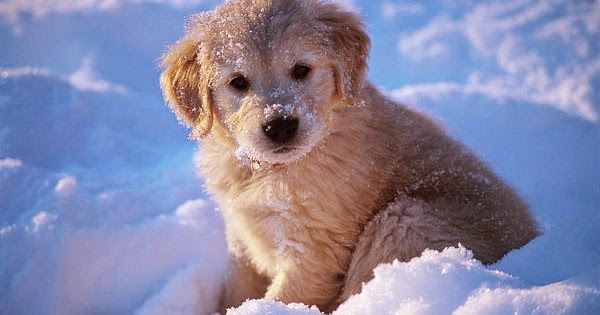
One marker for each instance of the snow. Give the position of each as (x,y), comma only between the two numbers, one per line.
(514,37)
(43,220)
(101,211)
(9,163)
(274,110)
(564,251)
(85,78)
(266,307)
(408,286)
(452,282)
(66,186)
(556,298)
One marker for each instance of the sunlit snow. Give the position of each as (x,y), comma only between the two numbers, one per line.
(101,211)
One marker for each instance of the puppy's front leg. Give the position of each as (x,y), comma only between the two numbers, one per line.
(302,283)
(243,282)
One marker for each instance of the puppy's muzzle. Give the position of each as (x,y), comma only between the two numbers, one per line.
(281,130)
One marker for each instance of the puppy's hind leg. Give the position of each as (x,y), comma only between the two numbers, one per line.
(401,231)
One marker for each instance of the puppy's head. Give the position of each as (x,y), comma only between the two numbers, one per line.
(269,72)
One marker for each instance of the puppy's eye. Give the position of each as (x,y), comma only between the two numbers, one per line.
(240,83)
(300,72)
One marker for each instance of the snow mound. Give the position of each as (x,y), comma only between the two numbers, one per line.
(452,282)
(563,252)
(435,283)
(193,290)
(557,298)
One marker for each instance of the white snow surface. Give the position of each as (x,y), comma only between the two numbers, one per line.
(101,211)
(452,282)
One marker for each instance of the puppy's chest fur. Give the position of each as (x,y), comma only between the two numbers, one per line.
(314,207)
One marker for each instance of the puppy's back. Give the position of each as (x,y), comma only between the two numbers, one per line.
(459,188)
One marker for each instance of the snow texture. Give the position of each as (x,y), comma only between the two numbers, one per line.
(101,212)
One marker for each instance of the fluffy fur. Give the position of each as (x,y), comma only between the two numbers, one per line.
(357,180)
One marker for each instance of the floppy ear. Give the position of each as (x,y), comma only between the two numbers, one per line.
(349,45)
(186,87)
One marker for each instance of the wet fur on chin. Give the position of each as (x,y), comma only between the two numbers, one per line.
(375,182)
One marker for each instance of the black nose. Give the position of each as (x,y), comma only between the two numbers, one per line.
(281,130)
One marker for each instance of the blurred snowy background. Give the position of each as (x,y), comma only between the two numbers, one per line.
(101,212)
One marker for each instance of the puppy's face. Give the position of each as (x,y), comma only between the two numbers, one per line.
(269,72)
(274,102)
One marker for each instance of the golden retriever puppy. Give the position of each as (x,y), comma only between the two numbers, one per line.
(319,176)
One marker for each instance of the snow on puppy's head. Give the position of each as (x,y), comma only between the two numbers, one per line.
(268,73)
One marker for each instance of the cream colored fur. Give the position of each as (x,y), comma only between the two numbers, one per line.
(364,181)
